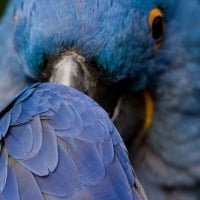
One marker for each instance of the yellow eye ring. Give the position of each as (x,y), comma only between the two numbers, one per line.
(157,25)
(154,13)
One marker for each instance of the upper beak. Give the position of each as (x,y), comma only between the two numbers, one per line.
(72,69)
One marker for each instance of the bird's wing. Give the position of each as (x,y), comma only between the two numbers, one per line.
(57,143)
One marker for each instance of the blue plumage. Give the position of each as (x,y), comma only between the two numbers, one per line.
(85,26)
(117,40)
(76,158)
(12,79)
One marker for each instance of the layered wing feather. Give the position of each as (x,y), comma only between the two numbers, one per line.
(57,143)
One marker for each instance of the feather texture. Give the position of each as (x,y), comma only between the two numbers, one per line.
(57,152)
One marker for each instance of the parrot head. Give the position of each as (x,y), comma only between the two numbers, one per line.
(122,40)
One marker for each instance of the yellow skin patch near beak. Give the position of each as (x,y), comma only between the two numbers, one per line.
(148,115)
(149,111)
(158,45)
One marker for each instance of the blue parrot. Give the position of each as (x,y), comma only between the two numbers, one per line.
(57,143)
(129,45)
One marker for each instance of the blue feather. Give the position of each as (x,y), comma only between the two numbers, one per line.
(27,186)
(94,132)
(15,113)
(63,119)
(46,160)
(87,158)
(110,186)
(26,138)
(4,124)
(3,169)
(11,190)
(64,181)
(107,152)
(19,141)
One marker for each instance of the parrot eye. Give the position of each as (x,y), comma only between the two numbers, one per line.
(156,23)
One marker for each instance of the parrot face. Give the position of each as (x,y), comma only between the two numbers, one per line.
(113,35)
(103,43)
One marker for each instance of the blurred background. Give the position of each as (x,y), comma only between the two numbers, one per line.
(2,6)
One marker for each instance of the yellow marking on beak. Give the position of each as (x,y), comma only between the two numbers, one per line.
(149,110)
(158,45)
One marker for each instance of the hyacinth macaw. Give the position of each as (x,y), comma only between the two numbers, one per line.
(79,79)
(133,45)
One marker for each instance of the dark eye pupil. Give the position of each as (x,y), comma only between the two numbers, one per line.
(158,28)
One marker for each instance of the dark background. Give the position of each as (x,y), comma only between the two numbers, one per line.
(2,6)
